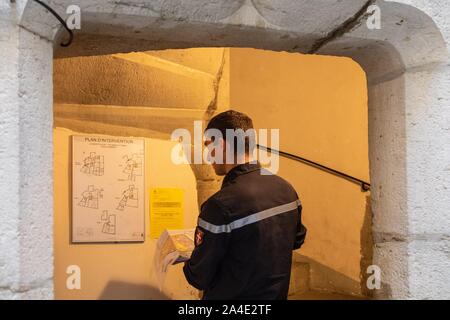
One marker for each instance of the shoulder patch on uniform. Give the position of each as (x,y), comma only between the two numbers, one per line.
(199,234)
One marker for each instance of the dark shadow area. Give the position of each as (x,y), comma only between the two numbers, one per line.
(118,290)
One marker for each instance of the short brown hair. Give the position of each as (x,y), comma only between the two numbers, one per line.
(232,120)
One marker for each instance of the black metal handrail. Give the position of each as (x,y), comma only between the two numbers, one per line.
(61,20)
(365,186)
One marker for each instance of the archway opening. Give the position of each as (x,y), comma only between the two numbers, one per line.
(319,106)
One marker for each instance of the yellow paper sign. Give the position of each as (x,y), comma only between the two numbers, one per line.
(166,210)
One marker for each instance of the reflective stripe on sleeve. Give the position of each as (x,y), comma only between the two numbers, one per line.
(255,217)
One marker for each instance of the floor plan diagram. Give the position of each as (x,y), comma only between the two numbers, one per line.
(94,164)
(109,222)
(129,198)
(133,166)
(90,197)
(108,189)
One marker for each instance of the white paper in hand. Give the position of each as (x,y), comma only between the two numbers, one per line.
(173,247)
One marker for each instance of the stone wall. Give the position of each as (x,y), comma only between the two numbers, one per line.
(26,231)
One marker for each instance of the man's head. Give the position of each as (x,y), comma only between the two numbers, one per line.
(237,141)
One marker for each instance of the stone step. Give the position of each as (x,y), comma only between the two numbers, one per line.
(299,278)
(125,120)
(317,295)
(135,79)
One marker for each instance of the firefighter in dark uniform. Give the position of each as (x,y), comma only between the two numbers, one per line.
(247,231)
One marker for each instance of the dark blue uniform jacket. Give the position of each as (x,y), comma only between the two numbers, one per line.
(245,236)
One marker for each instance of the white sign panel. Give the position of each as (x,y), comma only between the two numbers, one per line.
(108,189)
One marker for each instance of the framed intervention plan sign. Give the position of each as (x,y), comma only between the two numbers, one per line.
(108,189)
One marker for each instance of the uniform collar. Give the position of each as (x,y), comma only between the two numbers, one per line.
(240,170)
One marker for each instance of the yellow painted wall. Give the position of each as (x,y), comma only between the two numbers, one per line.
(319,103)
(122,271)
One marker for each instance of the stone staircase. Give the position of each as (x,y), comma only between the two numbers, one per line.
(300,276)
(310,281)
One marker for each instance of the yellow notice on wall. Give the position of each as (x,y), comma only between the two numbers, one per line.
(166,210)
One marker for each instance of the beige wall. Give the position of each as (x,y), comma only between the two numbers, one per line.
(118,270)
(319,103)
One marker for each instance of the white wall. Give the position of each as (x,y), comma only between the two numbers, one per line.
(26,238)
(9,151)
